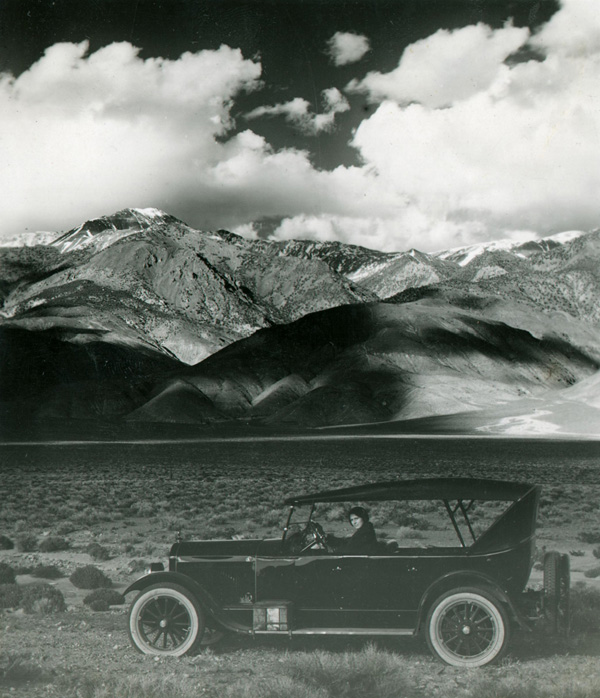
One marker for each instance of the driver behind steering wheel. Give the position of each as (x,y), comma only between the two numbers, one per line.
(312,537)
(362,540)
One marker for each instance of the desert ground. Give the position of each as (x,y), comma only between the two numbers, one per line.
(53,526)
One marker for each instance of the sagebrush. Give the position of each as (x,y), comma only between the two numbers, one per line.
(89,577)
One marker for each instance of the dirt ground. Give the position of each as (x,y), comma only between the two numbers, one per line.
(81,646)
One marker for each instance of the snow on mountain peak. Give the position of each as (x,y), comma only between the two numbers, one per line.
(565,237)
(465,255)
(520,246)
(150,212)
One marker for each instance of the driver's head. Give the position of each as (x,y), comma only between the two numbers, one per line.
(358,516)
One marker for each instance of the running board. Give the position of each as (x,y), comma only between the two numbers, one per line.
(338,631)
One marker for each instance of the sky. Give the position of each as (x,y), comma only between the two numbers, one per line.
(391,124)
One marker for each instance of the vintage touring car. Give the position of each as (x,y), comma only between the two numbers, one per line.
(464,597)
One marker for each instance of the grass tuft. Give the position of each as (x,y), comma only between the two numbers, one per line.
(585,608)
(18,669)
(10,596)
(137,566)
(592,536)
(53,544)
(42,598)
(7,574)
(319,674)
(103,599)
(276,687)
(520,686)
(6,543)
(130,687)
(47,572)
(90,577)
(26,543)
(98,552)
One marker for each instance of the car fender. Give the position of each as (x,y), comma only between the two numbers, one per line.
(204,598)
(463,578)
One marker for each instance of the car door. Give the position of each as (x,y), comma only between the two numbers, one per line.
(307,579)
(379,590)
(337,590)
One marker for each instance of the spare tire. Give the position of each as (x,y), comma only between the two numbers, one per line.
(557,583)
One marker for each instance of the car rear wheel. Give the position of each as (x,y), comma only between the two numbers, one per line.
(557,582)
(166,620)
(467,628)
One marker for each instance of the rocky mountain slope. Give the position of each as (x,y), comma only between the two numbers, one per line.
(144,279)
(378,362)
(563,282)
(388,274)
(139,317)
(44,378)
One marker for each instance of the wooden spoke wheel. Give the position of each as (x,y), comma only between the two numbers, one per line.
(467,628)
(166,620)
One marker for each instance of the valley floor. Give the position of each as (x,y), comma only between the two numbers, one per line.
(131,499)
(85,654)
(81,654)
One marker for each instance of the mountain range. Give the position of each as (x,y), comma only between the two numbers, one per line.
(138,318)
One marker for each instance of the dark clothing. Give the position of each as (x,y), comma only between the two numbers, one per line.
(362,540)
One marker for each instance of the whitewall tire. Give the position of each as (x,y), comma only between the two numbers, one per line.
(467,628)
(166,620)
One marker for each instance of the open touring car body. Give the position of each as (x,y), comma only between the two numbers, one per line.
(464,597)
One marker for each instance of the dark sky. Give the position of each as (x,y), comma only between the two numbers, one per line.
(288,35)
(276,28)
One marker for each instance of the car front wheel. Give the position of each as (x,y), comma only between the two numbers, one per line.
(166,620)
(467,628)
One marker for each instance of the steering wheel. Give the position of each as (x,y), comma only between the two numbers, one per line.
(313,535)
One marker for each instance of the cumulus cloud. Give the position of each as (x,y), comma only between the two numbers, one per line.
(519,147)
(345,47)
(334,101)
(470,147)
(575,30)
(87,134)
(257,182)
(297,112)
(82,134)
(464,146)
(381,232)
(446,67)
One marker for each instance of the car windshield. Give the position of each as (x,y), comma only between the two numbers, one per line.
(409,523)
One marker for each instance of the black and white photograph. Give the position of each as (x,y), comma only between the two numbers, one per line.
(299,348)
